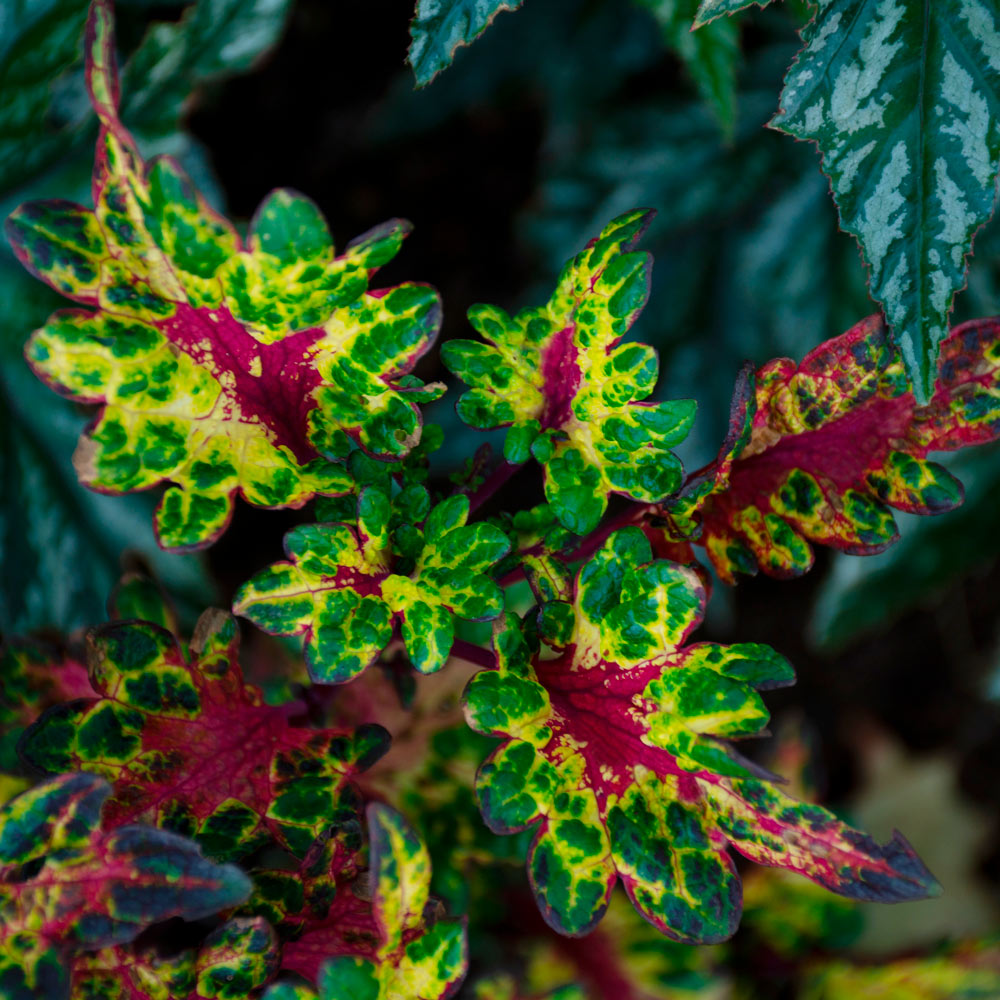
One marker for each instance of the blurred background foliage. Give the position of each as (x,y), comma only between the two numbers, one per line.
(564,114)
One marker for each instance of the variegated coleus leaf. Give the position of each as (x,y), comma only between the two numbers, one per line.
(221,365)
(236,960)
(412,956)
(903,101)
(440,27)
(612,750)
(322,907)
(834,442)
(570,392)
(67,885)
(189,746)
(345,589)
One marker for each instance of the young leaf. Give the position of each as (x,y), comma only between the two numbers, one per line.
(613,750)
(439,27)
(710,56)
(189,746)
(339,589)
(409,957)
(835,442)
(570,393)
(95,889)
(222,366)
(903,100)
(236,959)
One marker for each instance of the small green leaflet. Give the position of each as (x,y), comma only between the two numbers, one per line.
(345,587)
(709,10)
(710,56)
(439,27)
(903,101)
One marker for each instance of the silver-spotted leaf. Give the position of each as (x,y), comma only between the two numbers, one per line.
(903,101)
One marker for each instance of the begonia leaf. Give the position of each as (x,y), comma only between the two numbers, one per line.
(709,10)
(96,888)
(570,392)
(613,750)
(236,959)
(710,56)
(398,952)
(440,27)
(903,102)
(222,365)
(189,746)
(343,588)
(835,442)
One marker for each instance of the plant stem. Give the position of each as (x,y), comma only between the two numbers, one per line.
(474,654)
(493,482)
(589,545)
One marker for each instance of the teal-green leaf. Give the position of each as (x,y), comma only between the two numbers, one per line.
(709,10)
(710,55)
(439,27)
(903,101)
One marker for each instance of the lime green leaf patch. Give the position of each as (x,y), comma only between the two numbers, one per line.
(903,101)
(222,366)
(830,445)
(190,746)
(94,888)
(570,392)
(439,27)
(613,752)
(344,587)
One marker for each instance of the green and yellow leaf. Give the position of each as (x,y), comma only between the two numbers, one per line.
(570,392)
(613,751)
(221,366)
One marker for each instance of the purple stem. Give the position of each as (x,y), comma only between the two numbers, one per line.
(474,654)
(493,482)
(589,545)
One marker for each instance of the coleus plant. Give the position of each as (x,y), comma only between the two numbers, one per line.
(267,367)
